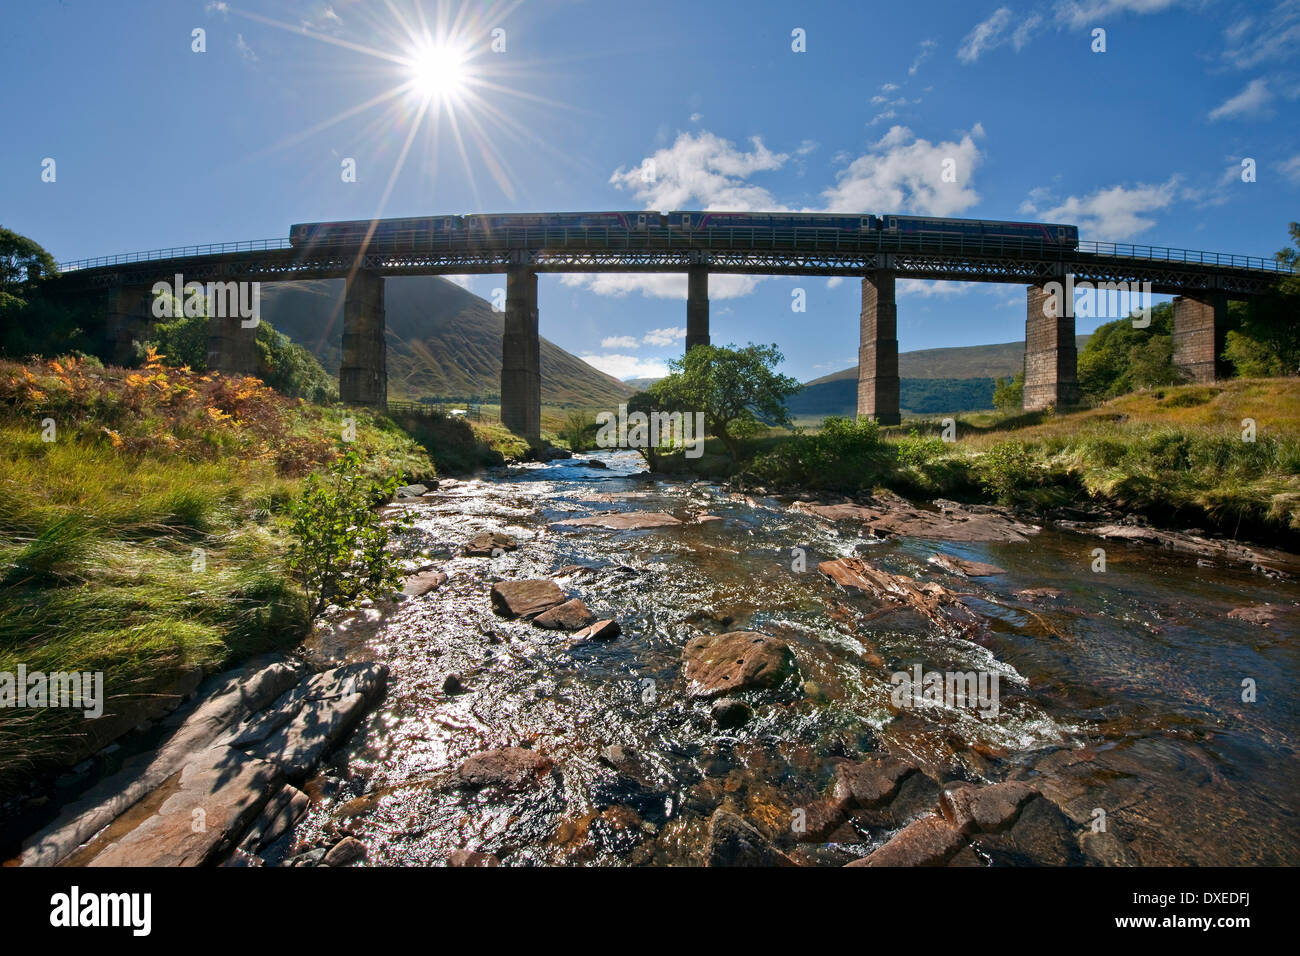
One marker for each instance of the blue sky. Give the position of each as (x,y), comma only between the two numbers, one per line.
(157,145)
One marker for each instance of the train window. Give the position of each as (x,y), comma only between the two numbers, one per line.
(1060,232)
(640,221)
(686,220)
(891,223)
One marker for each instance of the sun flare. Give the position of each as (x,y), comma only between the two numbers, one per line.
(437,72)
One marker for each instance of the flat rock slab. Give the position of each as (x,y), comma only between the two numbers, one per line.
(930,841)
(622,520)
(506,768)
(411,491)
(219,794)
(1266,560)
(489,544)
(1268,615)
(472,858)
(423,583)
(734,842)
(1040,594)
(868,783)
(301,743)
(569,616)
(718,664)
(932,600)
(968,569)
(525,599)
(951,523)
(985,809)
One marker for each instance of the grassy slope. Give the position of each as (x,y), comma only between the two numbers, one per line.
(98,531)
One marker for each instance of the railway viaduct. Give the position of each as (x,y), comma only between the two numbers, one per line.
(1202,283)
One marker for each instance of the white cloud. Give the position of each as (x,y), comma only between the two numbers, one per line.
(626,366)
(327,19)
(1020,39)
(217,7)
(1110,214)
(834,282)
(662,337)
(619,342)
(884,117)
(986,35)
(930,288)
(927,47)
(1251,42)
(463,281)
(1078,14)
(1291,169)
(667,285)
(696,117)
(902,173)
(244,49)
(701,171)
(1252,101)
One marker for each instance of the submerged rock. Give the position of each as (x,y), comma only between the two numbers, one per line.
(967,569)
(984,809)
(741,660)
(934,601)
(890,514)
(1267,615)
(488,544)
(348,850)
(733,842)
(423,583)
(507,768)
(869,783)
(525,599)
(468,858)
(930,841)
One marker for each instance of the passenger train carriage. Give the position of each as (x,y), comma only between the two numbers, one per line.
(415,230)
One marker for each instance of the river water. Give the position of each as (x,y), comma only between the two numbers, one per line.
(1123,694)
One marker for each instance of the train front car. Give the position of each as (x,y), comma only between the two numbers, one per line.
(409,232)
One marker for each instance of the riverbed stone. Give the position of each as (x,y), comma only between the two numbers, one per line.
(734,842)
(488,544)
(892,515)
(866,784)
(740,660)
(423,583)
(968,569)
(930,841)
(605,630)
(1268,615)
(506,768)
(346,851)
(572,615)
(1041,836)
(525,599)
(299,745)
(471,858)
(411,491)
(281,812)
(984,809)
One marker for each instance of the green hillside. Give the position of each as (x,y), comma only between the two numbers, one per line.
(443,342)
(932,381)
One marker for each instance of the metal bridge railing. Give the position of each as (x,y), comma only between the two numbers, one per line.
(794,241)
(175,252)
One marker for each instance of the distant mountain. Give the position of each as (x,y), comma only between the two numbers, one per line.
(932,381)
(443,342)
(639,384)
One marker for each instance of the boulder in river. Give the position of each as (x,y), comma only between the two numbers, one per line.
(468,858)
(967,569)
(984,809)
(932,600)
(569,616)
(740,660)
(423,583)
(888,514)
(348,850)
(930,841)
(605,630)
(488,544)
(525,599)
(411,491)
(1267,615)
(869,783)
(506,768)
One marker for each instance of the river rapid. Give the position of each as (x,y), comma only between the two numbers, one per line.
(1121,696)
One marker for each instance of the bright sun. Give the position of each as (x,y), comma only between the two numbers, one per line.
(438,73)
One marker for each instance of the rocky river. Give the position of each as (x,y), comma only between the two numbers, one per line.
(592,665)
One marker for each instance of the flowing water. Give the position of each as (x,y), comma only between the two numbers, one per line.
(1124,693)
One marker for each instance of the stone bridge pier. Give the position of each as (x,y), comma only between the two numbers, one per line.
(1200,330)
(521,373)
(878,349)
(1051,356)
(363,373)
(697,307)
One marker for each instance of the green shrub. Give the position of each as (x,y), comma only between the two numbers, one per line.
(340,546)
(1005,470)
(915,450)
(846,455)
